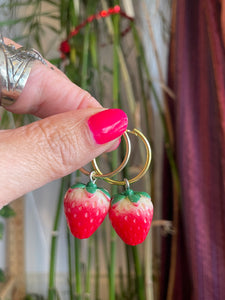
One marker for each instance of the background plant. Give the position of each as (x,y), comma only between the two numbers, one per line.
(113,68)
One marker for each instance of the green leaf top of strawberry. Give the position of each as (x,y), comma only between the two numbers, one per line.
(130,194)
(90,187)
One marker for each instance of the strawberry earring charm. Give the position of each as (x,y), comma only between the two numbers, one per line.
(86,205)
(131,215)
(131,212)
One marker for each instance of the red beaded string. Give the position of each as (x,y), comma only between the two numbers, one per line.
(65,47)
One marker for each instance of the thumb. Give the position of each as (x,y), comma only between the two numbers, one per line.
(53,147)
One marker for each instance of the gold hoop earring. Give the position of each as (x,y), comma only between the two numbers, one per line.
(99,174)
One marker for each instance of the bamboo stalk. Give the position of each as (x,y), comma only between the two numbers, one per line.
(149,267)
(116,19)
(88,271)
(128,265)
(53,252)
(84,70)
(139,275)
(97,269)
(70,256)
(70,279)
(127,82)
(112,292)
(173,255)
(78,283)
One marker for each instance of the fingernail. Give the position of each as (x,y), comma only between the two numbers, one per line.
(108,125)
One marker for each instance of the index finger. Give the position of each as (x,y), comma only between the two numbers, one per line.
(48,91)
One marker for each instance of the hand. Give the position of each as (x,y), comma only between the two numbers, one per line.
(74,130)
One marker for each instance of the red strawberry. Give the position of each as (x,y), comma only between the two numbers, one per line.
(85,208)
(131,216)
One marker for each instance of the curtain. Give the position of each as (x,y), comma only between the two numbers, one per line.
(197,76)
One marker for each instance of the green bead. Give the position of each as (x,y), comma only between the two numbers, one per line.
(91,187)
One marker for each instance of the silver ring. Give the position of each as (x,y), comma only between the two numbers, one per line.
(15,67)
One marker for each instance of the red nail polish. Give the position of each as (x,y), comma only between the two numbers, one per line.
(108,125)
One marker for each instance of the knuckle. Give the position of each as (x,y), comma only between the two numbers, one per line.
(87,100)
(59,147)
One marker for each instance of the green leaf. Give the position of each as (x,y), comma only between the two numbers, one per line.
(134,197)
(10,22)
(55,61)
(105,192)
(2,276)
(128,192)
(7,120)
(7,212)
(91,187)
(71,72)
(78,185)
(118,197)
(93,49)
(1,230)
(45,25)
(144,194)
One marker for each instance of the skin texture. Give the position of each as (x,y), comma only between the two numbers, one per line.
(56,145)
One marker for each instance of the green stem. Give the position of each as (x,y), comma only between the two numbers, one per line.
(77,269)
(114,154)
(71,291)
(88,273)
(144,98)
(139,275)
(84,69)
(116,68)
(69,257)
(128,265)
(97,271)
(113,235)
(52,273)
(112,265)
